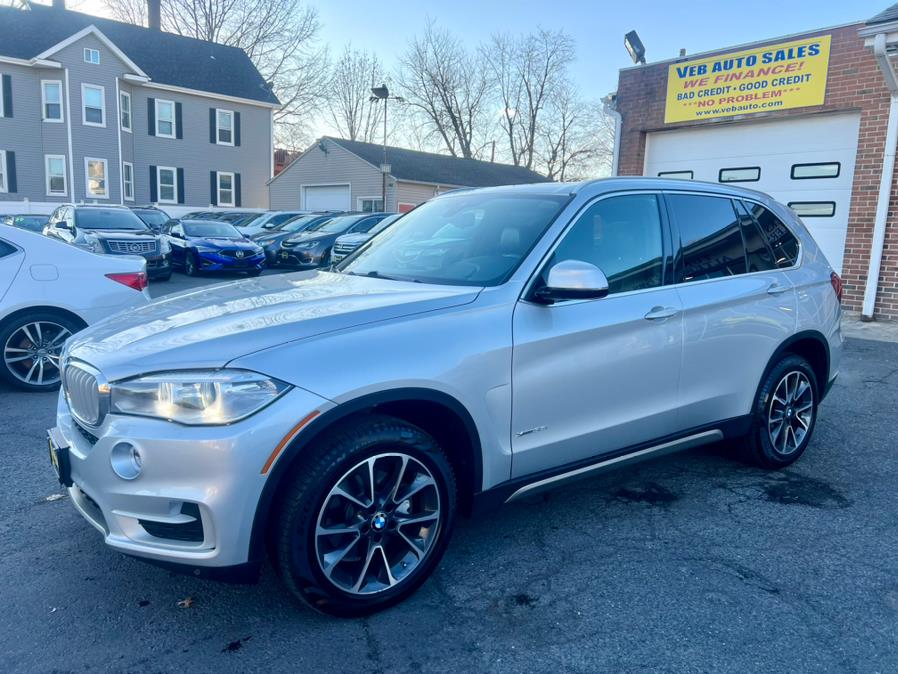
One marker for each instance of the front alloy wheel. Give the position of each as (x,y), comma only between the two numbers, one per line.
(364,517)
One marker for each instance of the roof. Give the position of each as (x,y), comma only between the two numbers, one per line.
(885,16)
(166,58)
(440,169)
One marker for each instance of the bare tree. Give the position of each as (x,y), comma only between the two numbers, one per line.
(576,139)
(349,106)
(528,72)
(280,36)
(449,88)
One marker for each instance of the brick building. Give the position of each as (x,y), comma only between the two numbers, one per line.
(805,118)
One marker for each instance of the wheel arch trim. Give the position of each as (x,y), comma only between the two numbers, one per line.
(785,346)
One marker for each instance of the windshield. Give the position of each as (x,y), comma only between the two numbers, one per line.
(335,225)
(365,226)
(278,219)
(253,222)
(108,218)
(212,229)
(153,217)
(35,223)
(298,224)
(473,238)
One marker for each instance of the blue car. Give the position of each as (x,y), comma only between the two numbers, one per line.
(209,245)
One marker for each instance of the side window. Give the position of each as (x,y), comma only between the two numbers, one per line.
(781,240)
(6,249)
(622,237)
(711,245)
(758,254)
(178,229)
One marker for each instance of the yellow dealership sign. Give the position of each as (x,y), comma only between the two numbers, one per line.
(775,77)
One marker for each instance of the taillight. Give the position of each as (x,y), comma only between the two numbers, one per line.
(133,279)
(836,280)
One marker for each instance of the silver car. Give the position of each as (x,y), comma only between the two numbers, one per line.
(490,344)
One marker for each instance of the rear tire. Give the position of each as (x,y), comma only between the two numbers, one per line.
(30,349)
(363,521)
(253,272)
(784,414)
(190,266)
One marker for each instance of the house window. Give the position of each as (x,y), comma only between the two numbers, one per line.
(51,100)
(3,187)
(678,175)
(125,110)
(371,204)
(54,170)
(225,189)
(92,56)
(167,180)
(817,170)
(224,127)
(165,118)
(128,180)
(814,209)
(93,104)
(95,178)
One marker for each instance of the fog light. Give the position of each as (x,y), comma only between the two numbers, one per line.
(125,460)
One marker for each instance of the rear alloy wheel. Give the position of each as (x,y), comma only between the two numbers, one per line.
(190,267)
(32,348)
(785,414)
(366,519)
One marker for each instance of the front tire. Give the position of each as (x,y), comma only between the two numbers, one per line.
(190,265)
(785,414)
(364,521)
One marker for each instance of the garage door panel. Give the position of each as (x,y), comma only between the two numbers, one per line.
(327,197)
(774,146)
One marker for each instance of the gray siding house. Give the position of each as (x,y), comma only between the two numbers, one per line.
(338,174)
(101,111)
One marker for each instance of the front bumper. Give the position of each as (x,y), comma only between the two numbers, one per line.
(303,258)
(219,262)
(195,499)
(159,265)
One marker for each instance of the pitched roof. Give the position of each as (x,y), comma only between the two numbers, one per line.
(427,167)
(165,57)
(885,16)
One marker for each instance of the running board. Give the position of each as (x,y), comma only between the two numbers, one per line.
(618,461)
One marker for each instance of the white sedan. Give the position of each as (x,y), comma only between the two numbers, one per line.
(49,290)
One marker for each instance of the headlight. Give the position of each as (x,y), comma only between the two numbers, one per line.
(92,244)
(196,397)
(202,249)
(306,244)
(164,246)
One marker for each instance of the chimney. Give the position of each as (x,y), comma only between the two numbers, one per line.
(154,13)
(58,4)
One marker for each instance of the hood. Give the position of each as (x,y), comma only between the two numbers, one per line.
(222,242)
(119,233)
(213,325)
(353,238)
(272,236)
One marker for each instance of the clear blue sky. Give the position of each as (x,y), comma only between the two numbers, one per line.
(385,26)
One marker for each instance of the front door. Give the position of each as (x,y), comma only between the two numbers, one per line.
(594,376)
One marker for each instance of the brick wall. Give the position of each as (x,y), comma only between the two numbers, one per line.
(854,83)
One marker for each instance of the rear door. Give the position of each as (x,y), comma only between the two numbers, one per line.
(738,306)
(11,258)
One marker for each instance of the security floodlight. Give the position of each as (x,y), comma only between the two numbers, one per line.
(635,47)
(381,91)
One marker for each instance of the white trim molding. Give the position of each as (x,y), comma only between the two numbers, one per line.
(102,89)
(122,95)
(197,92)
(47,176)
(4,179)
(219,128)
(218,189)
(87,192)
(126,183)
(45,102)
(90,30)
(359,200)
(174,184)
(89,56)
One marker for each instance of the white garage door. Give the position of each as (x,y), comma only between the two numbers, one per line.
(806,162)
(326,198)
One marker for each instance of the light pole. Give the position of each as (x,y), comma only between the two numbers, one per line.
(381,93)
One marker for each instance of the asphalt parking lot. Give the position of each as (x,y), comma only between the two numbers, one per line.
(695,562)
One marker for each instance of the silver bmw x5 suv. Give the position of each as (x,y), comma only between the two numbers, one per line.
(490,344)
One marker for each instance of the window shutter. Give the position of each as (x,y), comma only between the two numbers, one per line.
(213,185)
(151,119)
(7,96)
(179,127)
(180,184)
(237,129)
(212,138)
(11,185)
(153,191)
(237,199)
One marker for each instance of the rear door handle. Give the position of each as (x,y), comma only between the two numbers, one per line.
(777,289)
(656,313)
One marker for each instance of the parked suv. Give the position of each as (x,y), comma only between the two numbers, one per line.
(111,230)
(491,344)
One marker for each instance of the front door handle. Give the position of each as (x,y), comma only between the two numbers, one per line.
(656,313)
(777,289)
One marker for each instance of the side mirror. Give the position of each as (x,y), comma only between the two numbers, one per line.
(572,280)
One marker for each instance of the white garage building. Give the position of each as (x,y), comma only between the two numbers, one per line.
(345,175)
